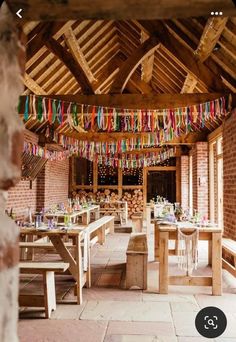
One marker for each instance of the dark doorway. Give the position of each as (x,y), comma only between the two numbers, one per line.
(162,183)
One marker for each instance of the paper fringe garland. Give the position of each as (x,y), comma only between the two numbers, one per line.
(115,160)
(167,122)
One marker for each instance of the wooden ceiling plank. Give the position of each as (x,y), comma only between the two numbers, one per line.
(131,64)
(92,38)
(105,57)
(161,85)
(55,88)
(127,32)
(163,58)
(162,78)
(177,81)
(106,43)
(105,32)
(227,46)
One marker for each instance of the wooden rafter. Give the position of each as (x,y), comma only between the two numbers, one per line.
(67,58)
(131,64)
(147,63)
(209,38)
(137,101)
(78,55)
(129,9)
(184,56)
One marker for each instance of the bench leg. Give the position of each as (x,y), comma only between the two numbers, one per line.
(79,266)
(88,275)
(216,264)
(49,292)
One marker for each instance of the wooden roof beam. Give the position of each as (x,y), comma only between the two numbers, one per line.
(74,67)
(209,38)
(147,63)
(185,56)
(78,55)
(129,9)
(130,65)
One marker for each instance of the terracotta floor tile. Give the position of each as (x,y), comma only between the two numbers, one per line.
(57,331)
(134,311)
(141,328)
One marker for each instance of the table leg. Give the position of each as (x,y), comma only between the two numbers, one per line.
(163,266)
(86,218)
(97,214)
(65,254)
(78,258)
(216,264)
(156,242)
(210,252)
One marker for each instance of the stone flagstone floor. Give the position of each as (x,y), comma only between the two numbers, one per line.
(111,314)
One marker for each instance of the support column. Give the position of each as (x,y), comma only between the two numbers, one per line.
(11,143)
(184,182)
(200,177)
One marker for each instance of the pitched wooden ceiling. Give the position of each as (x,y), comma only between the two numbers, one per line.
(102,57)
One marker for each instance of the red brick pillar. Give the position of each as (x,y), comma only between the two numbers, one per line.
(229,176)
(200,177)
(185,182)
(11,140)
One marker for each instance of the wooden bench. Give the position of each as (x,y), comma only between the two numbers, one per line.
(137,258)
(229,246)
(47,269)
(97,231)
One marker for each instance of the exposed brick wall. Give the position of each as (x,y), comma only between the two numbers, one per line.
(229,176)
(56,183)
(200,177)
(51,186)
(185,182)
(23,195)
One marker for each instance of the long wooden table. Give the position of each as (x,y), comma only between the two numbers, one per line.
(211,234)
(56,237)
(85,213)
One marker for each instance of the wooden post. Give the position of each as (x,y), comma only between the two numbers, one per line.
(216,264)
(144,189)
(178,180)
(163,270)
(95,177)
(120,182)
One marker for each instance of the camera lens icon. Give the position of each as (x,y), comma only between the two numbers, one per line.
(210,322)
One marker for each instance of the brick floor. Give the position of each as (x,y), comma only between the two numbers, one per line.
(111,314)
